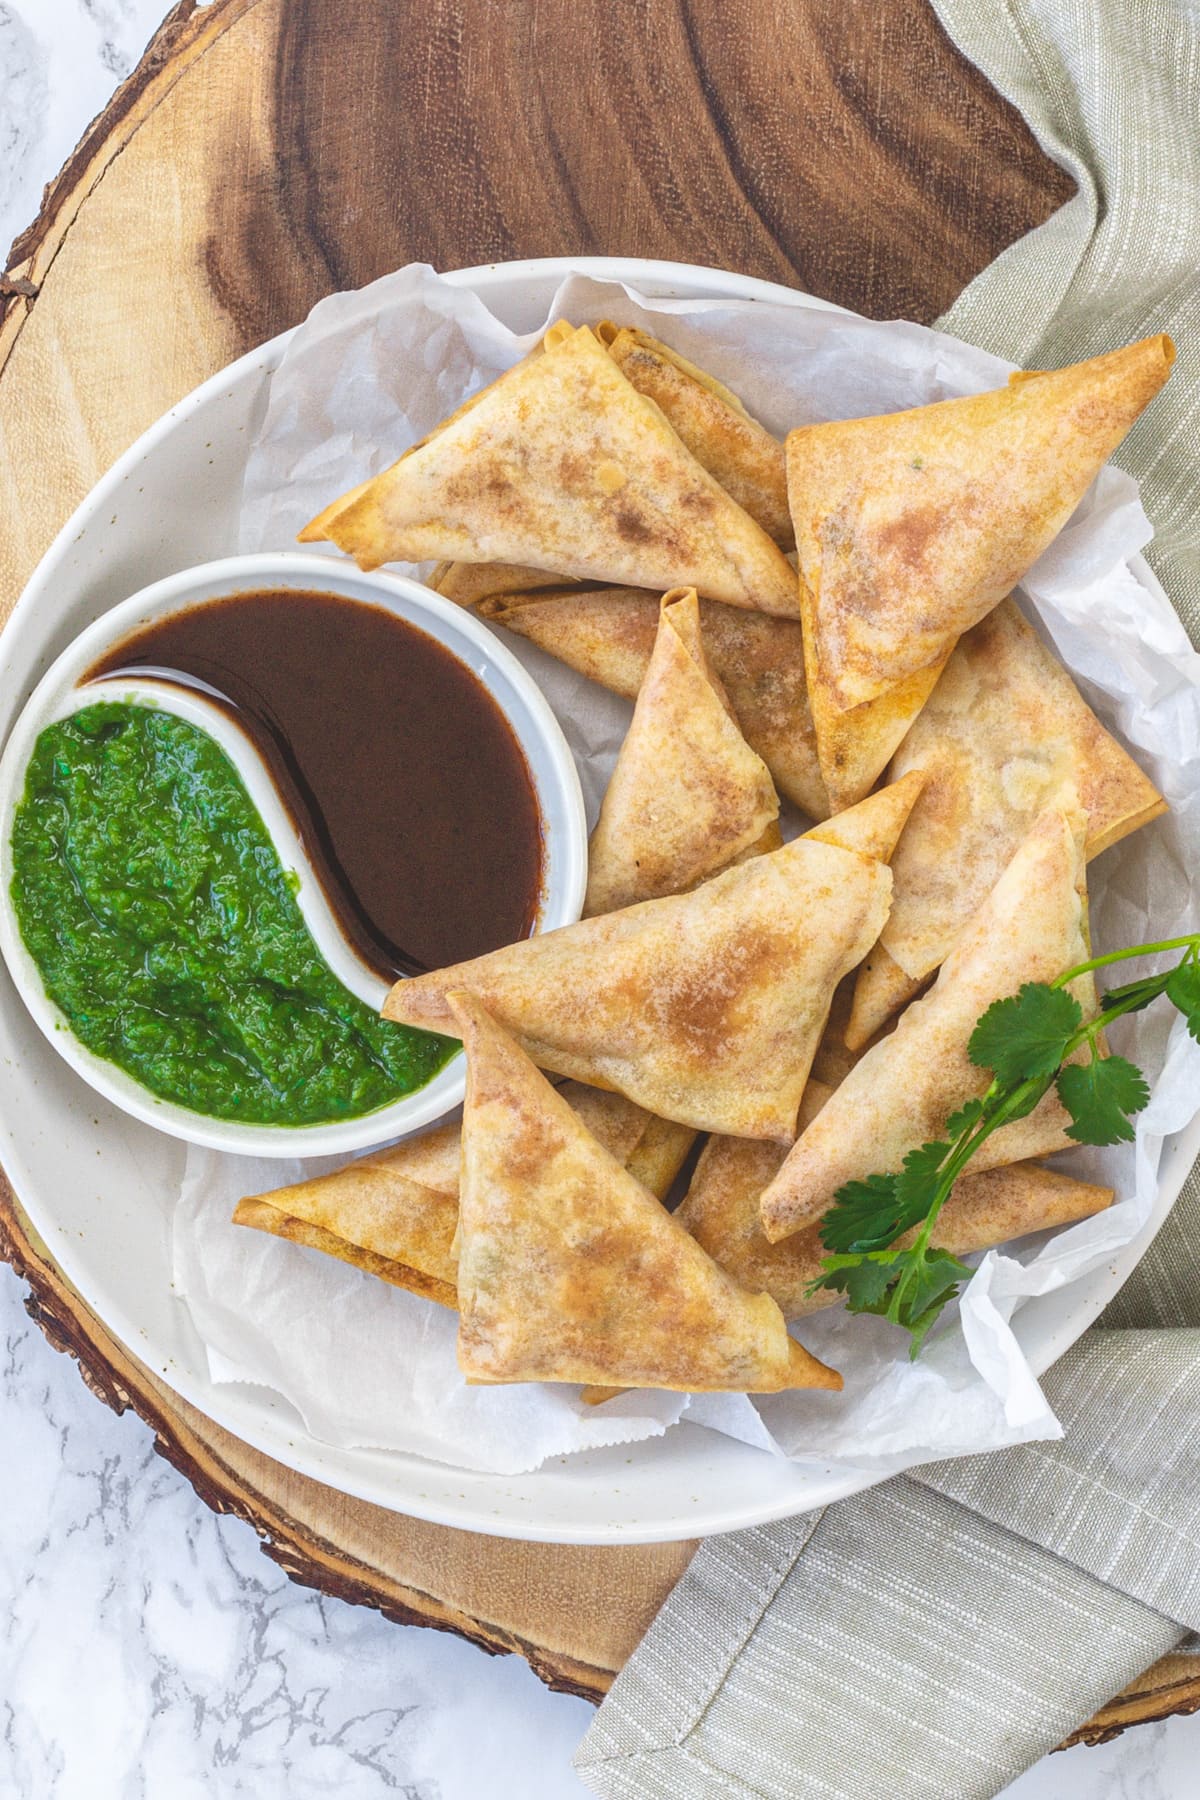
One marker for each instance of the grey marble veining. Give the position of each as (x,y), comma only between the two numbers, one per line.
(148,1651)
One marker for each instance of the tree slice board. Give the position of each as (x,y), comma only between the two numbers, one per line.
(267,152)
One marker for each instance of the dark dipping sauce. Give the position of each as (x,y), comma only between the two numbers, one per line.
(408,788)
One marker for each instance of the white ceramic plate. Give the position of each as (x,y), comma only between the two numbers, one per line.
(99,1186)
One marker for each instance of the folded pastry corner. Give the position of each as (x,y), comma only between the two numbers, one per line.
(563,465)
(900,1093)
(688,796)
(875,825)
(469,583)
(713,423)
(395,1214)
(911,526)
(705,1007)
(569,1270)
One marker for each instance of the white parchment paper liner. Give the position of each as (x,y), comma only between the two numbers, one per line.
(365,1364)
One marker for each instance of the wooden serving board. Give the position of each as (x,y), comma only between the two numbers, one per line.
(266,152)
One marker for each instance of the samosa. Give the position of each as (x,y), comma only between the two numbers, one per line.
(1005,733)
(569,1270)
(704,1007)
(900,1094)
(687,796)
(608,635)
(395,1214)
(910,527)
(563,465)
(721,1210)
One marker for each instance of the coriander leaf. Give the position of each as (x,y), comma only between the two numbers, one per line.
(932,1279)
(1183,989)
(864,1215)
(964,1119)
(863,1279)
(933,1282)
(1099,1095)
(916,1183)
(1025,1035)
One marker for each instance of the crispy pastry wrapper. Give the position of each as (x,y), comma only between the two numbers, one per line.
(395,1214)
(561,464)
(1004,734)
(704,1008)
(688,796)
(570,1270)
(608,634)
(910,527)
(721,1210)
(744,457)
(366,1364)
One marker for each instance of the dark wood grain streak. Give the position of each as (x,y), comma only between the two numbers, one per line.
(837,144)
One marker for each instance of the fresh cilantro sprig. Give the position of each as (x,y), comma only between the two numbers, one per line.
(879,1230)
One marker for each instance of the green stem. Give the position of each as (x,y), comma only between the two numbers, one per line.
(1006,1104)
(1191,943)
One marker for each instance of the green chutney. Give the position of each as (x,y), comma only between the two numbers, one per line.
(166,930)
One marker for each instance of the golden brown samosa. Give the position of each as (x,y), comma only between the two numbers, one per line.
(1005,734)
(608,635)
(395,1214)
(687,796)
(721,1210)
(705,1007)
(569,1270)
(900,1094)
(912,526)
(563,465)
(742,455)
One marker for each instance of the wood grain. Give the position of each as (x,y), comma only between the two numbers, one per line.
(266,152)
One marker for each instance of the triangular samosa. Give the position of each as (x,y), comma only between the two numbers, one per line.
(608,635)
(1005,734)
(688,796)
(721,1210)
(746,460)
(395,1214)
(912,526)
(562,464)
(703,1007)
(900,1094)
(569,1270)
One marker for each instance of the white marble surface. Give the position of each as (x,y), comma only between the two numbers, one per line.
(148,1651)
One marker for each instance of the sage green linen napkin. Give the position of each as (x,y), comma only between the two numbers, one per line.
(931,1638)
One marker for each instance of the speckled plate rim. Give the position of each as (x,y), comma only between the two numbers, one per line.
(685,1484)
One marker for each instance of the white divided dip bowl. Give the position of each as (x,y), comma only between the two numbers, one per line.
(63,690)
